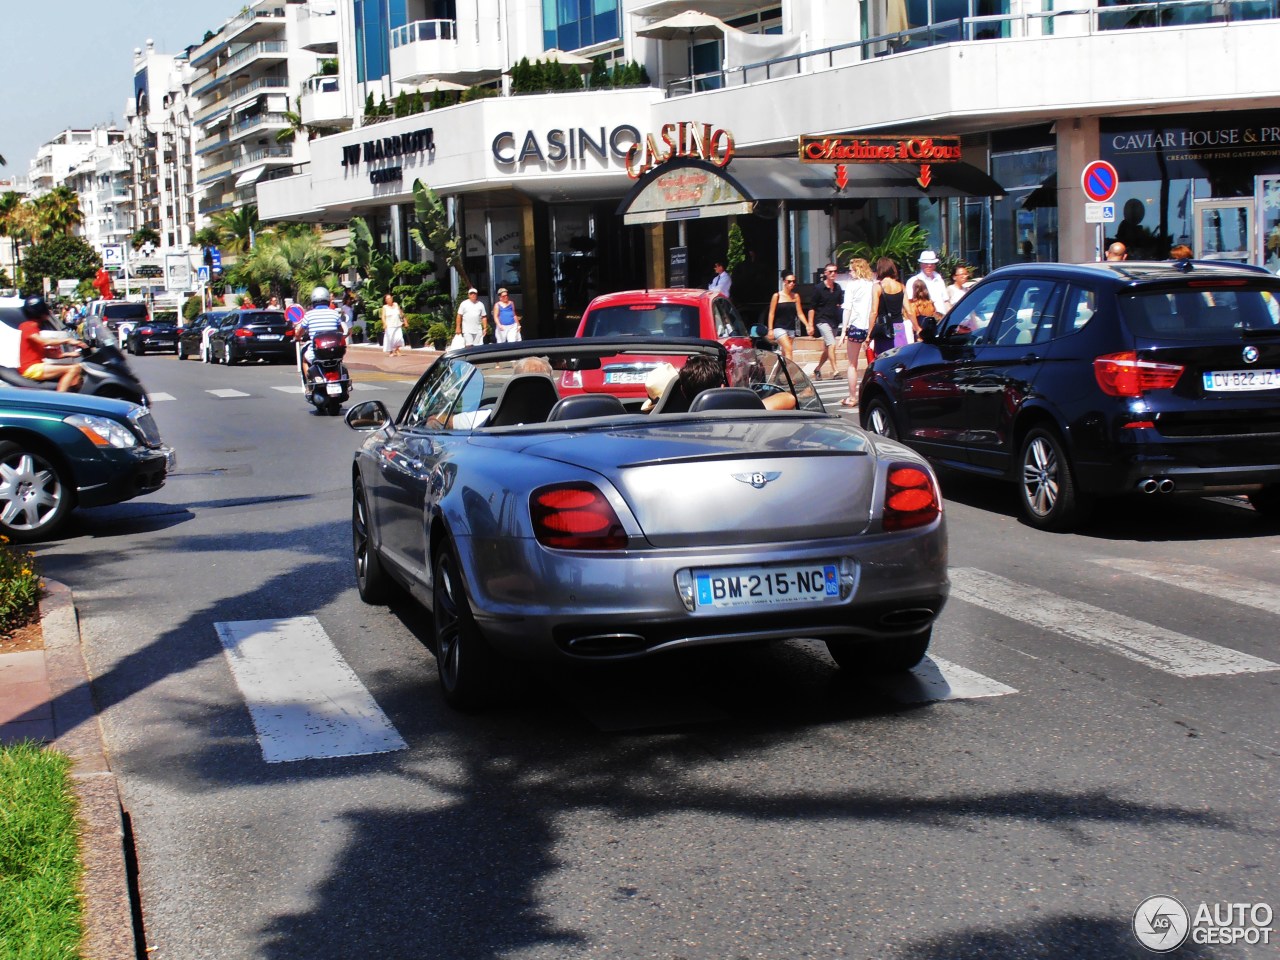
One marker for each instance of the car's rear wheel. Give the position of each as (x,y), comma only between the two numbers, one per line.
(227,357)
(35,496)
(465,662)
(1267,502)
(139,349)
(1046,483)
(182,354)
(879,419)
(371,579)
(886,655)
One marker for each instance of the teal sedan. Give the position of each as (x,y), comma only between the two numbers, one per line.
(59,451)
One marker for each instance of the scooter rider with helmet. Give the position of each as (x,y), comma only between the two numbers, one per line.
(321,318)
(40,351)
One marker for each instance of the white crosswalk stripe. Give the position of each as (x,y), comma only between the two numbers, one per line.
(1141,642)
(936,679)
(295,388)
(159,397)
(1206,580)
(306,703)
(227,393)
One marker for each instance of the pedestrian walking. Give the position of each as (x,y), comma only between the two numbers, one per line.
(933,282)
(785,312)
(886,307)
(921,314)
(857,321)
(473,319)
(826,307)
(392,326)
(506,328)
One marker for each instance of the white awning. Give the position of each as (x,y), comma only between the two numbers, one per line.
(249,176)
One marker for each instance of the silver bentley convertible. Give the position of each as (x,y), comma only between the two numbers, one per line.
(537,520)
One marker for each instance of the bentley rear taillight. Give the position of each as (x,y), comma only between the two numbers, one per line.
(911,498)
(1124,375)
(575,516)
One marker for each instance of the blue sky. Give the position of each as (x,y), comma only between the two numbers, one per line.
(69,63)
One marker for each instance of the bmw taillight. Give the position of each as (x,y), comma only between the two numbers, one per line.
(243,332)
(288,333)
(911,498)
(144,331)
(575,516)
(1124,375)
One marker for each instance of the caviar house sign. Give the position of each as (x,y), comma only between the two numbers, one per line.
(848,149)
(698,141)
(389,148)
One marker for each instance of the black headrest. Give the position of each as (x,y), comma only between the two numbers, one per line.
(527,398)
(726,398)
(586,405)
(672,400)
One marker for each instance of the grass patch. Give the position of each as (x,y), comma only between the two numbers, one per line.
(40,908)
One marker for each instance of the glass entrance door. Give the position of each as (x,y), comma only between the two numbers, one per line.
(1224,230)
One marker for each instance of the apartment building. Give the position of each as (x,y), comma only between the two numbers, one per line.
(972,118)
(57,160)
(248,78)
(103,182)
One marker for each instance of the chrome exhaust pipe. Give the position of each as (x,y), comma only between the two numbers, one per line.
(1149,485)
(1166,485)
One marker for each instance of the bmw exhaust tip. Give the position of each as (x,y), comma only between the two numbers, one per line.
(1166,485)
(1149,485)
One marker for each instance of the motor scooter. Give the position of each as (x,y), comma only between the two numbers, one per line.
(326,384)
(106,372)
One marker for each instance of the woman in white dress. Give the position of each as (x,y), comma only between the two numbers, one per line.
(392,326)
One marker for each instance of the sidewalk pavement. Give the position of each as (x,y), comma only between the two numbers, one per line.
(45,696)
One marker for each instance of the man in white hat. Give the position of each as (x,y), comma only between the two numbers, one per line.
(933,282)
(473,319)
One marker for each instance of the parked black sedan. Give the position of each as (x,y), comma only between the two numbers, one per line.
(1097,380)
(191,341)
(152,335)
(252,335)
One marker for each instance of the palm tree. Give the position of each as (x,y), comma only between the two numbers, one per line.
(59,211)
(9,203)
(236,229)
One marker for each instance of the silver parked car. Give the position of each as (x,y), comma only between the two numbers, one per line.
(536,520)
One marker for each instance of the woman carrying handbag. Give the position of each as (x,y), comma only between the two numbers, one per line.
(886,307)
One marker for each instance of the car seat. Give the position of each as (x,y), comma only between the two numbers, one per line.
(584,405)
(526,398)
(726,398)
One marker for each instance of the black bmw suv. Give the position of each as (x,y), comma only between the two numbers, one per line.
(1097,380)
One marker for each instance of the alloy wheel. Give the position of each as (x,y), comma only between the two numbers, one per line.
(1040,476)
(33,498)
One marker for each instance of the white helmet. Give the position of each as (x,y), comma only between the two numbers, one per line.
(319,295)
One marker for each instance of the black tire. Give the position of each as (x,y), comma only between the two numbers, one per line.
(371,580)
(466,665)
(35,494)
(1046,483)
(1267,502)
(227,356)
(878,419)
(887,655)
(182,354)
(333,407)
(139,350)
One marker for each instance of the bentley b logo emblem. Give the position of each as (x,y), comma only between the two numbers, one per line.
(759,478)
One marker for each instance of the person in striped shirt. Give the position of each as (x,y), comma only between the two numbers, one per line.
(321,318)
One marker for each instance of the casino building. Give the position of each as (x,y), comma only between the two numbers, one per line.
(808,125)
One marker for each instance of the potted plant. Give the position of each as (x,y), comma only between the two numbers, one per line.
(415,329)
(438,335)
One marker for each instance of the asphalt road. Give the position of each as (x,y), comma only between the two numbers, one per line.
(1107,732)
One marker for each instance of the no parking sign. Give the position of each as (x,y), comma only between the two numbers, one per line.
(295,313)
(1100,181)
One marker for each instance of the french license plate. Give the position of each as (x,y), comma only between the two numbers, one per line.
(333,389)
(625,376)
(1229,380)
(270,336)
(728,587)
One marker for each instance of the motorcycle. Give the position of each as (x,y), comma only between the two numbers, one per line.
(326,384)
(106,372)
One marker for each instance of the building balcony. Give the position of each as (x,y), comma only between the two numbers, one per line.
(216,204)
(264,155)
(216,172)
(321,103)
(272,51)
(225,99)
(249,25)
(258,123)
(318,32)
(210,144)
(438,48)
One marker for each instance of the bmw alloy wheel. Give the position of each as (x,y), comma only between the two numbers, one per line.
(1047,489)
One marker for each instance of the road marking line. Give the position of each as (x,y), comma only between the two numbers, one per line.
(296,388)
(1141,642)
(305,701)
(1206,580)
(227,393)
(361,385)
(158,397)
(936,679)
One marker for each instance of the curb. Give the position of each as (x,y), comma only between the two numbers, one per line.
(109,931)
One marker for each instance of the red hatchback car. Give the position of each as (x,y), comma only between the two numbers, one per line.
(673,312)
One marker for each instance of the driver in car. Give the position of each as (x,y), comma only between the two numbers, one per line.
(40,352)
